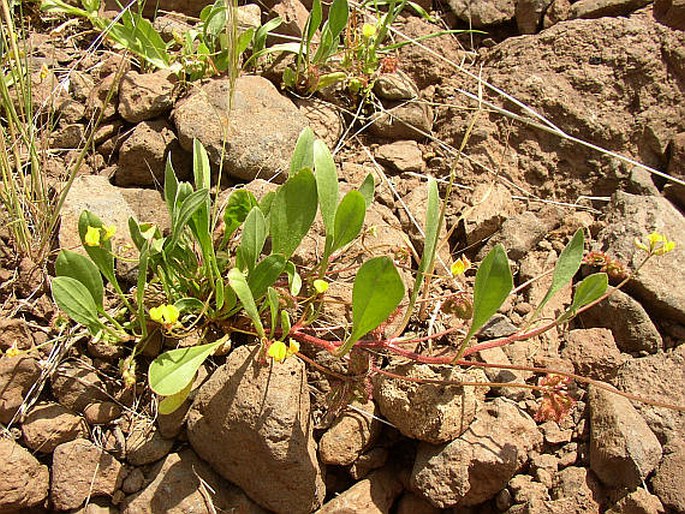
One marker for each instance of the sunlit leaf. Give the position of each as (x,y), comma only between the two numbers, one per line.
(81,268)
(588,290)
(349,219)
(292,212)
(172,371)
(74,298)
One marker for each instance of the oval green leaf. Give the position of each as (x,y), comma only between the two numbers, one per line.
(81,268)
(74,298)
(292,212)
(590,289)
(172,371)
(349,219)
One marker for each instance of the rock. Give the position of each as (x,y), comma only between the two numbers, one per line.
(502,376)
(593,352)
(101,413)
(76,386)
(578,483)
(641,182)
(103,98)
(373,495)
(637,502)
(410,503)
(491,205)
(134,481)
(24,481)
(668,482)
(260,415)
(146,96)
(630,216)
(48,425)
(17,377)
(145,444)
(143,156)
(558,10)
(402,156)
(474,467)
(261,131)
(68,136)
(395,86)
(375,458)
(599,8)
(184,484)
(653,377)
(519,234)
(670,12)
(429,412)
(407,120)
(676,168)
(81,470)
(628,321)
(350,435)
(187,7)
(529,14)
(496,327)
(15,332)
(483,13)
(323,118)
(623,449)
(148,206)
(294,16)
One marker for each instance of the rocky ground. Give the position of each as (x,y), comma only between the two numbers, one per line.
(597,74)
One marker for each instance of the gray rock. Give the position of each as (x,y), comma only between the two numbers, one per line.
(593,352)
(519,234)
(259,133)
(599,8)
(250,422)
(48,425)
(373,495)
(477,465)
(184,484)
(68,136)
(483,13)
(529,14)
(669,479)
(81,470)
(395,86)
(628,321)
(351,434)
(17,376)
(407,120)
(671,13)
(146,96)
(434,413)
(496,327)
(630,216)
(623,449)
(24,481)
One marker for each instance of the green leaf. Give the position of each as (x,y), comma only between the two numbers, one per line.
(292,212)
(286,325)
(138,35)
(74,298)
(377,291)
(313,22)
(337,17)
(294,278)
(432,228)
(349,219)
(493,284)
(265,274)
(202,171)
(172,371)
(368,189)
(326,184)
(242,290)
(240,203)
(189,304)
(273,299)
(169,404)
(194,201)
(566,267)
(590,289)
(253,238)
(100,255)
(303,155)
(81,268)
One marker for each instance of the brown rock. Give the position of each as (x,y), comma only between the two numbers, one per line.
(294,16)
(484,12)
(145,444)
(81,470)
(188,7)
(145,96)
(669,480)
(101,413)
(15,332)
(259,415)
(395,86)
(402,156)
(324,119)
(373,495)
(410,503)
(491,205)
(529,14)
(48,425)
(671,13)
(579,484)
(350,435)
(599,8)
(103,98)
(637,502)
(407,120)
(17,376)
(24,481)
(593,352)
(76,386)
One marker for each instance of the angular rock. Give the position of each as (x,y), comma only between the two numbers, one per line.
(623,449)
(259,415)
(24,481)
(76,386)
(483,13)
(519,234)
(477,465)
(48,425)
(176,488)
(669,479)
(631,326)
(323,118)
(529,14)
(558,10)
(497,356)
(17,376)
(670,12)
(629,217)
(676,166)
(429,412)
(599,8)
(103,98)
(593,352)
(81,470)
(407,120)
(410,503)
(350,435)
(145,444)
(294,16)
(15,332)
(637,502)
(395,86)
(402,156)
(491,205)
(261,129)
(373,495)
(579,484)
(145,96)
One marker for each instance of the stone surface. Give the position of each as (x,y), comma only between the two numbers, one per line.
(491,205)
(668,482)
(429,412)
(631,326)
(17,376)
(529,14)
(599,8)
(630,216)
(483,13)
(184,484)
(623,449)
(294,16)
(145,96)
(406,120)
(251,421)
(145,444)
(101,413)
(478,464)
(410,503)
(373,495)
(76,386)
(637,502)
(519,234)
(323,118)
(260,132)
(670,12)
(497,356)
(24,481)
(351,434)
(593,352)
(48,425)
(81,470)
(395,86)
(402,156)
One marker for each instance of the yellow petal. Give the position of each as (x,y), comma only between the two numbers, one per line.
(321,286)
(368,30)
(110,230)
(156,314)
(277,351)
(293,347)
(92,237)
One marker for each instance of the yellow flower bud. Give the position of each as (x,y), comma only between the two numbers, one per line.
(92,237)
(368,30)
(110,230)
(321,286)
(293,348)
(12,351)
(460,266)
(277,351)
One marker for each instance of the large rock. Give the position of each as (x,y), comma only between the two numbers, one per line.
(593,352)
(482,13)
(145,96)
(350,434)
(629,217)
(671,13)
(373,495)
(48,425)
(24,481)
(599,8)
(623,449)
(669,479)
(430,412)
(184,484)
(255,137)
(251,422)
(17,376)
(477,465)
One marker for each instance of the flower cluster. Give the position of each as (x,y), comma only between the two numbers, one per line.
(556,402)
(96,236)
(279,352)
(655,244)
(616,270)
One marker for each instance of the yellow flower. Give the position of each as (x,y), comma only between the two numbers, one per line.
(655,244)
(460,266)
(12,351)
(92,237)
(279,352)
(166,314)
(368,30)
(293,348)
(321,286)
(110,230)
